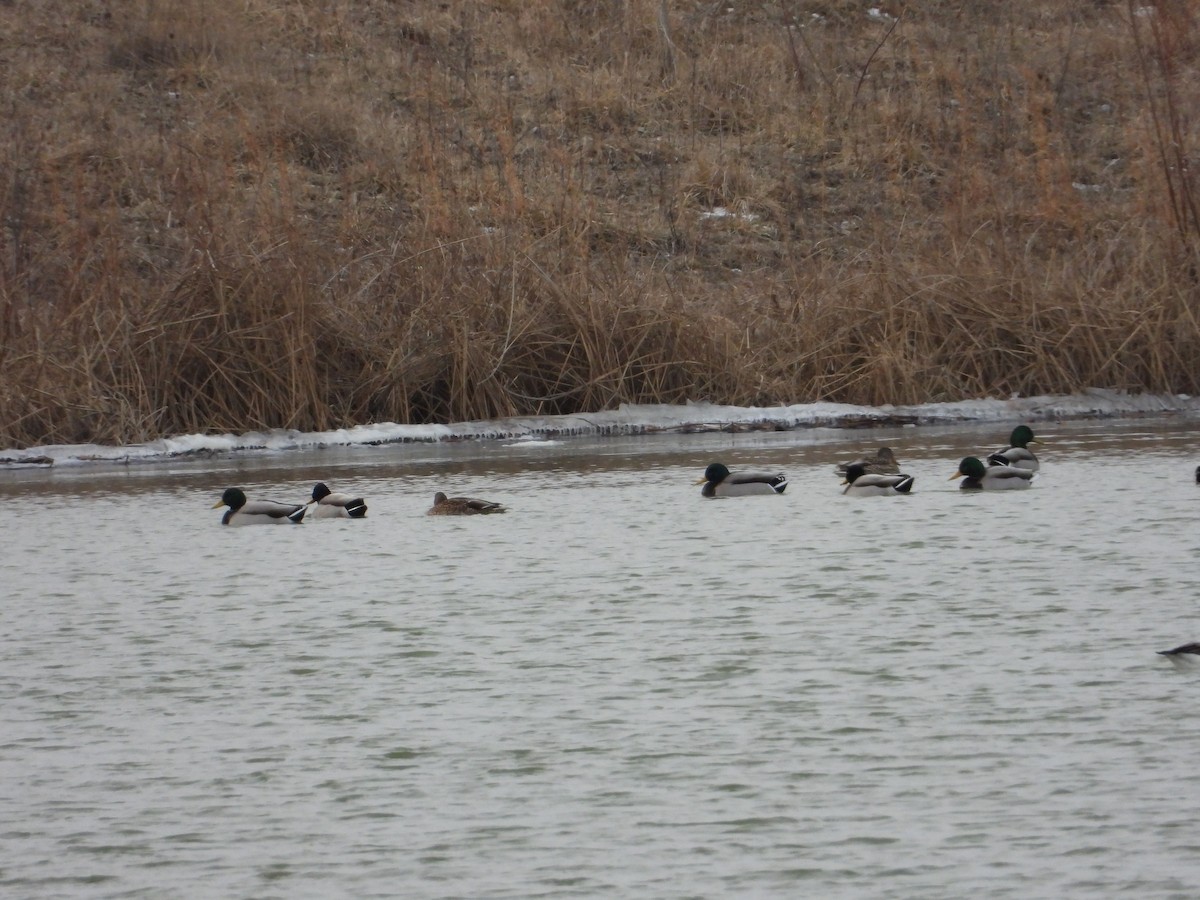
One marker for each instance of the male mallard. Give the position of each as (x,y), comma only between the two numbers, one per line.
(1192,649)
(330,505)
(462,506)
(976,476)
(1017,453)
(881,462)
(257,512)
(861,483)
(719,482)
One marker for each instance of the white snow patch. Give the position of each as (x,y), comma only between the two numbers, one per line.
(628,419)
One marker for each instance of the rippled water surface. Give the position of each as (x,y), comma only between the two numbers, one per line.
(617,689)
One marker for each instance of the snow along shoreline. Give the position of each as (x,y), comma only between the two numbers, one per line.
(626,420)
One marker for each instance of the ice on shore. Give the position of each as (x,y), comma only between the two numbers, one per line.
(628,419)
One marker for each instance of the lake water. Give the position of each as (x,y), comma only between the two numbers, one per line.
(617,689)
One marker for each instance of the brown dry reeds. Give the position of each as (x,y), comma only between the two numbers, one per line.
(293,216)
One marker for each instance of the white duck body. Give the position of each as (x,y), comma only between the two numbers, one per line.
(327,504)
(978,477)
(718,481)
(860,483)
(258,512)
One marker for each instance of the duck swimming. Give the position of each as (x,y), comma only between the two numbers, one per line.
(882,462)
(978,477)
(861,483)
(718,481)
(462,506)
(1017,453)
(257,512)
(330,505)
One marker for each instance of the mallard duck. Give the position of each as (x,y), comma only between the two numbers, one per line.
(718,481)
(976,476)
(257,512)
(1017,453)
(881,462)
(331,506)
(861,483)
(1192,649)
(462,506)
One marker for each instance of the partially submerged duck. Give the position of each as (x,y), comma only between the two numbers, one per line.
(462,506)
(1017,454)
(331,505)
(978,477)
(861,483)
(257,512)
(718,481)
(882,462)
(1192,649)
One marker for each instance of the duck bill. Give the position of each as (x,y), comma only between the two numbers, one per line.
(219,503)
(700,481)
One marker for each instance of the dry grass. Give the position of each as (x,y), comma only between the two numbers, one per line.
(230,216)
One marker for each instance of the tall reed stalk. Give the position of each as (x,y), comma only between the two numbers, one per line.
(264,215)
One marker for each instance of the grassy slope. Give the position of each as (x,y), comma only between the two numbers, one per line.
(221,216)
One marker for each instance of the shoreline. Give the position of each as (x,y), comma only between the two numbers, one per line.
(625,421)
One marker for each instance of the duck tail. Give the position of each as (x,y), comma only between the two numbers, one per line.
(1192,648)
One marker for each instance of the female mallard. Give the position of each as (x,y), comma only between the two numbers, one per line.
(1018,453)
(462,506)
(978,477)
(881,462)
(257,512)
(332,506)
(861,483)
(718,481)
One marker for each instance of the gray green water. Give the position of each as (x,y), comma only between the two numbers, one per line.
(615,690)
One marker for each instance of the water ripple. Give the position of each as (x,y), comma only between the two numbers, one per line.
(634,693)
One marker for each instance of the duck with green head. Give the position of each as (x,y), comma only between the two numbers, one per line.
(978,477)
(1017,453)
(718,481)
(258,512)
(332,505)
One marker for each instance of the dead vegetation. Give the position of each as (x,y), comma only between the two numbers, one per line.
(219,217)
